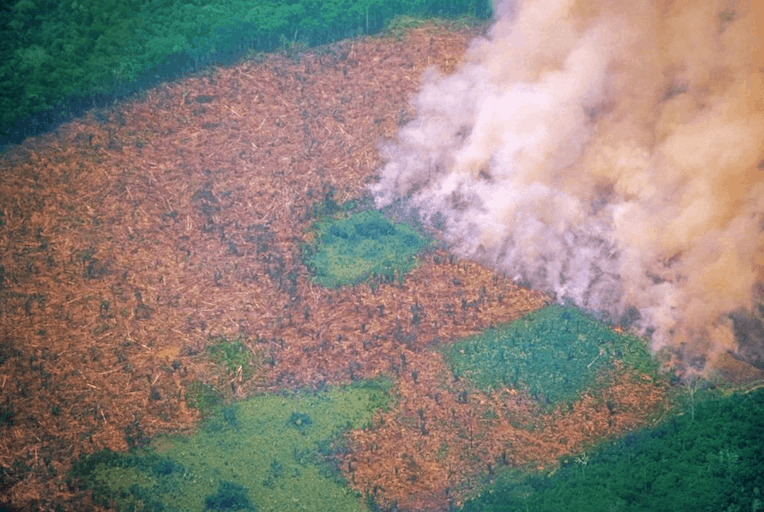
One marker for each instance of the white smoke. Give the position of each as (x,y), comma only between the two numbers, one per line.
(608,151)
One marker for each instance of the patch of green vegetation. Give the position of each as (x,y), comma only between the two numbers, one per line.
(233,355)
(299,420)
(352,248)
(398,25)
(270,453)
(126,478)
(223,419)
(230,496)
(711,462)
(554,353)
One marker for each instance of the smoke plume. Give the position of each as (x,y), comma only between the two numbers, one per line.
(608,151)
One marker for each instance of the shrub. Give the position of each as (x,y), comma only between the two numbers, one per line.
(554,354)
(349,250)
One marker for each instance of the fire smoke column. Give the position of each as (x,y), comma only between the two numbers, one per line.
(610,152)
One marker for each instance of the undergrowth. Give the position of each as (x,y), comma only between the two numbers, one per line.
(554,354)
(233,355)
(351,249)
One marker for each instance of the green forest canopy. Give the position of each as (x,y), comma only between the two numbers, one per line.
(62,58)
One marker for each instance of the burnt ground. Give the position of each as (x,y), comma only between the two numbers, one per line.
(131,238)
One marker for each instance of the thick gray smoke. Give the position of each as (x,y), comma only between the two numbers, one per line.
(608,151)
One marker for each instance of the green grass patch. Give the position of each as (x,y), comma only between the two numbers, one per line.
(711,462)
(268,453)
(398,25)
(350,249)
(232,355)
(554,354)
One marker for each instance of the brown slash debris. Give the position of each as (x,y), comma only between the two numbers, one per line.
(132,236)
(442,437)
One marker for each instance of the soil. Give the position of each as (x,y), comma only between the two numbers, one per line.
(132,237)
